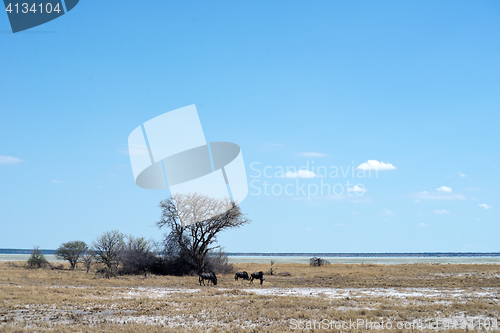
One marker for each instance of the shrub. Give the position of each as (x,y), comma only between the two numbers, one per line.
(174,259)
(137,256)
(37,259)
(271,270)
(218,262)
(316,261)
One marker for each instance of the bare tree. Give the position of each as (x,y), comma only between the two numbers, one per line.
(182,214)
(108,247)
(71,251)
(88,258)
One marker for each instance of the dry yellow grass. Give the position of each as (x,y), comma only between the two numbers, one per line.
(75,301)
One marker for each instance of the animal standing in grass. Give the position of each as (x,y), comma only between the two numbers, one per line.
(211,277)
(257,276)
(241,275)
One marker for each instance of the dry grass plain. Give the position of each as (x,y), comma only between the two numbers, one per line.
(74,301)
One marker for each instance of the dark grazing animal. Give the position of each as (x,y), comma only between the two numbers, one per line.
(257,276)
(208,276)
(241,275)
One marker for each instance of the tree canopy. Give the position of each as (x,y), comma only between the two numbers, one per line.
(71,251)
(194,221)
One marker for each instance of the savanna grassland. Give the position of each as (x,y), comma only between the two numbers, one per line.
(61,300)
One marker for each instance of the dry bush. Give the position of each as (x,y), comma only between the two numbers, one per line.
(316,262)
(37,259)
(137,256)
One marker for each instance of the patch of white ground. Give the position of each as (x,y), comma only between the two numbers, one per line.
(451,293)
(54,316)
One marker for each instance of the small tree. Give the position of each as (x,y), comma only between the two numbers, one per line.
(272,270)
(107,248)
(71,251)
(37,259)
(88,258)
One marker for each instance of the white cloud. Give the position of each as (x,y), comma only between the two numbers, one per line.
(386,212)
(485,206)
(9,160)
(417,201)
(461,174)
(441,212)
(56,181)
(357,190)
(444,189)
(300,174)
(478,220)
(312,154)
(376,165)
(421,224)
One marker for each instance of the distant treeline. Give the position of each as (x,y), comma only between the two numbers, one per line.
(23,251)
(240,254)
(425,254)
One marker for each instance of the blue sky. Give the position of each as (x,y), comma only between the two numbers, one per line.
(329,83)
